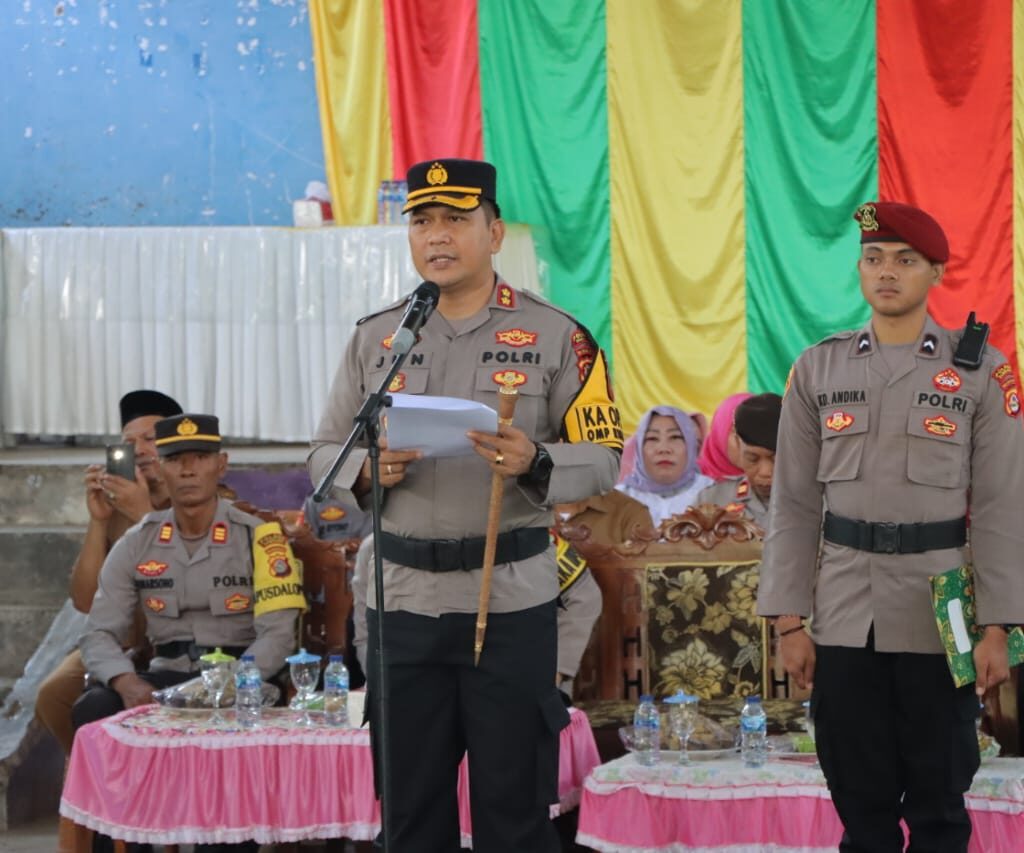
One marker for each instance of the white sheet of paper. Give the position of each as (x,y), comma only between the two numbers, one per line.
(436,425)
(955,611)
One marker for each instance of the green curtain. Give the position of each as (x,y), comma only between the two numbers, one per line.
(811,158)
(545,115)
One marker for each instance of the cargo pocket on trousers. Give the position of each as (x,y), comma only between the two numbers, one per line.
(554,718)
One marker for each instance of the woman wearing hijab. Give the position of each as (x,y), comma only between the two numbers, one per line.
(666,478)
(720,455)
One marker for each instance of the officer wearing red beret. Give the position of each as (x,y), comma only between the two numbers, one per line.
(899,429)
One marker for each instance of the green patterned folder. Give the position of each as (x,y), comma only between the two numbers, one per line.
(953,599)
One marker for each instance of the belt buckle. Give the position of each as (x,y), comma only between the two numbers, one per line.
(886,536)
(447,554)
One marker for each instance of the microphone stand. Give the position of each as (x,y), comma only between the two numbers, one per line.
(367,423)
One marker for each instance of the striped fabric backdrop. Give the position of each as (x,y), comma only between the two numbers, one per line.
(690,168)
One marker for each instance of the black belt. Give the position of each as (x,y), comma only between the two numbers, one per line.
(177,648)
(888,538)
(452,555)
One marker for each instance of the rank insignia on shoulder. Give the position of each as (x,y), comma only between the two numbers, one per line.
(947,380)
(930,345)
(220,533)
(166,532)
(509,378)
(151,568)
(838,421)
(863,343)
(397,383)
(516,337)
(743,489)
(236,603)
(157,605)
(940,426)
(506,296)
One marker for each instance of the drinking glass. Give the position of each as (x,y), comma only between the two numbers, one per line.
(304,669)
(682,718)
(216,670)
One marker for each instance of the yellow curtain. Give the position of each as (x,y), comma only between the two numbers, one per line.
(351,87)
(1018,174)
(675,122)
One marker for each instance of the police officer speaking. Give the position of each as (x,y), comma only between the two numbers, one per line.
(563,445)
(889,437)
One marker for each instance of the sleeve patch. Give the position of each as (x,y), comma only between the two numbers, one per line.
(277,575)
(593,416)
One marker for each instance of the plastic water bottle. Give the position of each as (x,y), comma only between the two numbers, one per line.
(336,692)
(647,732)
(753,733)
(248,693)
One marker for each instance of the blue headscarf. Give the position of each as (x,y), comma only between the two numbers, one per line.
(640,479)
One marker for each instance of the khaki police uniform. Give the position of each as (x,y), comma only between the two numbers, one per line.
(579,603)
(737,495)
(898,436)
(206,599)
(507,711)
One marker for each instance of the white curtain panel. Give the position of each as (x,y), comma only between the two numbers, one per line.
(245,323)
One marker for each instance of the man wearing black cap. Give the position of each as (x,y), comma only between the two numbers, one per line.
(899,429)
(191,569)
(114,504)
(563,446)
(756,423)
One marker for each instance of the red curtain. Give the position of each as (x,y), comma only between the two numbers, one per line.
(433,80)
(945,109)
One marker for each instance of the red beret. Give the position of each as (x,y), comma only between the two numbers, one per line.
(890,221)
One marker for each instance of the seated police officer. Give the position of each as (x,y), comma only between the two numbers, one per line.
(190,568)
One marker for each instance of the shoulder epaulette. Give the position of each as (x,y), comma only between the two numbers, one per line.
(540,300)
(241,517)
(399,304)
(837,336)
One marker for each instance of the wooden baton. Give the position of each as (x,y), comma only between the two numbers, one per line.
(507,397)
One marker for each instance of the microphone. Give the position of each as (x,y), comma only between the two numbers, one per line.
(421,306)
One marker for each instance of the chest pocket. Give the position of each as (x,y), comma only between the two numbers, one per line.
(843,433)
(409,380)
(231,602)
(937,447)
(530,387)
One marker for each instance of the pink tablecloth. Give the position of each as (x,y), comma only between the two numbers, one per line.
(784,807)
(165,777)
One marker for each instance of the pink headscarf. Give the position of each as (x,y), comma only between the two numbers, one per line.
(714,455)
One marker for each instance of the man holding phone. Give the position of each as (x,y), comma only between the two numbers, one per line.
(115,502)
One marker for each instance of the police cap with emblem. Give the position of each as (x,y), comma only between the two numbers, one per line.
(187,432)
(144,403)
(756,420)
(456,183)
(892,222)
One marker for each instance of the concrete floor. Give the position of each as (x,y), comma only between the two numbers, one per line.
(35,837)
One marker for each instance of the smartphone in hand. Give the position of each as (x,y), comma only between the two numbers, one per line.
(121,460)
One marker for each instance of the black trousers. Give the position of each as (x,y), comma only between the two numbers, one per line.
(506,712)
(896,739)
(99,702)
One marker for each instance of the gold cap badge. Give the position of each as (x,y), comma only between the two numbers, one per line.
(866,217)
(437,174)
(187,427)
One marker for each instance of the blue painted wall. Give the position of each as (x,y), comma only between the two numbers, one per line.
(156,112)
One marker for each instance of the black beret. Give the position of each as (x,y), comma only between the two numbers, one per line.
(454,182)
(757,420)
(145,403)
(187,432)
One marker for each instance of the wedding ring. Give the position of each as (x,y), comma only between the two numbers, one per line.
(389,470)
(499,457)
